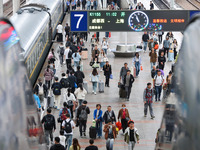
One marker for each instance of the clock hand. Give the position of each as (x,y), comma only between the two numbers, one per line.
(137,19)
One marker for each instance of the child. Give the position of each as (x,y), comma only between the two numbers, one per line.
(62,138)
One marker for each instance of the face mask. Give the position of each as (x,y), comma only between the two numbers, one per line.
(124,107)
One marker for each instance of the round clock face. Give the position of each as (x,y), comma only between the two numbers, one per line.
(138,21)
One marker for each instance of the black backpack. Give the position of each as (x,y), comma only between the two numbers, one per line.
(79,75)
(56,90)
(65,83)
(62,51)
(68,127)
(70,103)
(70,54)
(48,125)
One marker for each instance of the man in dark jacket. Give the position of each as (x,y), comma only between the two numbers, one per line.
(79,75)
(82,115)
(109,114)
(107,72)
(161,61)
(72,80)
(57,145)
(128,81)
(123,71)
(145,39)
(49,125)
(56,87)
(74,48)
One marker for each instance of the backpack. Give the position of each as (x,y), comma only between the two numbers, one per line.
(64,112)
(70,54)
(65,83)
(48,125)
(157,76)
(83,115)
(62,51)
(40,89)
(70,103)
(56,90)
(79,75)
(68,127)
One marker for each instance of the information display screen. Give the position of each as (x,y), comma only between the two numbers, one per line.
(156,20)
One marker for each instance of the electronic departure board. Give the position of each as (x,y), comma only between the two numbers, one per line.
(125,21)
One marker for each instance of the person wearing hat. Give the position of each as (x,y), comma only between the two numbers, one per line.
(131,135)
(82,115)
(128,82)
(107,72)
(110,134)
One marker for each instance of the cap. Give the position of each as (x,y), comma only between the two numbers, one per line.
(84,102)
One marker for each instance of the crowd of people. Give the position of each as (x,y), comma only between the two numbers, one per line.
(140,6)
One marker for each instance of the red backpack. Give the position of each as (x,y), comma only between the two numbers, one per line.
(64,112)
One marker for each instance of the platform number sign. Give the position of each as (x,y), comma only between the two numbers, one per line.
(79,21)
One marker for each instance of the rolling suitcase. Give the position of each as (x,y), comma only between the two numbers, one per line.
(122,93)
(84,54)
(171,55)
(50,100)
(85,85)
(93,132)
(101,86)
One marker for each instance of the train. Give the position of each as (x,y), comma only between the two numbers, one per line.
(36,24)
(20,125)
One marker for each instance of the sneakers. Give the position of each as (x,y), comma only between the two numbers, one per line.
(95,93)
(84,134)
(152,117)
(92,91)
(145,115)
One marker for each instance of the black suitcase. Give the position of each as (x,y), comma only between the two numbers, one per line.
(93,132)
(122,93)
(139,47)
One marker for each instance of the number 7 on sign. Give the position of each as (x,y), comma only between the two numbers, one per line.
(79,20)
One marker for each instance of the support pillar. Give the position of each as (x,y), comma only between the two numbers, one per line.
(1,8)
(16,5)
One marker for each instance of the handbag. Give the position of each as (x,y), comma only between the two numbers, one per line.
(75,85)
(111,76)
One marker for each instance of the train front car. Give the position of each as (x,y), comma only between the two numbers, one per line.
(20,127)
(180,127)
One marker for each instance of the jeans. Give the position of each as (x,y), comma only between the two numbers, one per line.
(68,141)
(124,124)
(102,64)
(145,45)
(146,105)
(128,91)
(99,128)
(166,50)
(137,66)
(82,126)
(109,144)
(158,92)
(94,85)
(76,64)
(80,102)
(152,64)
(95,5)
(107,79)
(105,50)
(131,145)
(88,7)
(48,133)
(48,84)
(57,101)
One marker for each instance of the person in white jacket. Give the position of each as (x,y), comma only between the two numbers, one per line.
(80,93)
(70,98)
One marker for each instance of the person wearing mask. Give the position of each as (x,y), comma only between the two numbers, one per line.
(48,76)
(174,48)
(104,45)
(68,126)
(137,62)
(97,116)
(72,81)
(161,61)
(57,145)
(56,87)
(59,32)
(103,59)
(79,75)
(107,72)
(145,39)
(123,71)
(94,80)
(157,84)
(124,116)
(49,126)
(153,58)
(91,146)
(110,134)
(80,93)
(151,5)
(95,54)
(37,100)
(109,114)
(70,99)
(82,115)
(148,100)
(166,45)
(128,82)
(131,136)
(75,145)
(68,57)
(77,58)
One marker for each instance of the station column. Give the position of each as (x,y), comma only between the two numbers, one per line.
(1,8)
(16,5)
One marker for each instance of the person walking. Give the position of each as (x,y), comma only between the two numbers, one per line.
(62,138)
(37,100)
(80,93)
(82,115)
(94,80)
(49,126)
(109,114)
(61,51)
(128,82)
(107,72)
(153,58)
(95,54)
(151,44)
(161,61)
(75,145)
(124,116)
(97,116)
(103,59)
(148,100)
(105,45)
(174,48)
(166,45)
(151,5)
(68,56)
(68,126)
(56,88)
(59,32)
(79,76)
(110,134)
(145,39)
(70,99)
(160,36)
(91,146)
(137,62)
(48,76)
(123,72)
(65,84)
(131,136)
(157,84)
(57,145)
(77,58)
(72,82)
